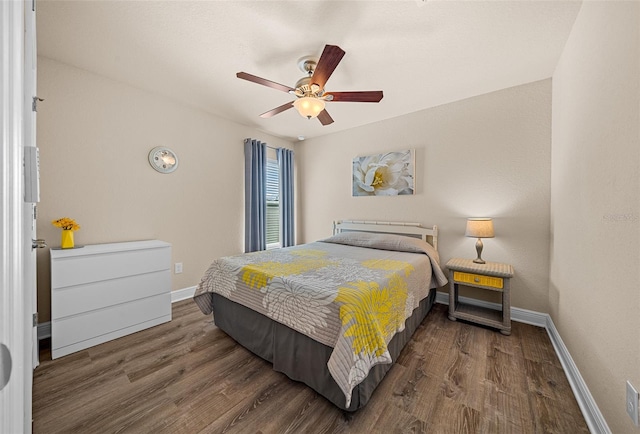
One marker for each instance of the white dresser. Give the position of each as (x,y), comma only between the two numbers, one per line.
(104,291)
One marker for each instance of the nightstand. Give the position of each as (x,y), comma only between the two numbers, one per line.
(492,276)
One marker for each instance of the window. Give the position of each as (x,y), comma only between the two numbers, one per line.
(273,204)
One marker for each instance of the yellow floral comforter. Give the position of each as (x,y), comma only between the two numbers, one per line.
(352,292)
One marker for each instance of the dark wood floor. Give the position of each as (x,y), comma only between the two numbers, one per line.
(189,377)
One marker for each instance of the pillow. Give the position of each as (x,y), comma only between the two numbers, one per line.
(398,243)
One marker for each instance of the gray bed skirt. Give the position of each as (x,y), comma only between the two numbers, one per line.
(300,357)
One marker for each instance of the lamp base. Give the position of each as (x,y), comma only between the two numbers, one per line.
(479,246)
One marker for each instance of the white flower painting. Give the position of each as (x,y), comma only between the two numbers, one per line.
(388,174)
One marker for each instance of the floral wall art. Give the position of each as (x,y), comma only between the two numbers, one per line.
(388,174)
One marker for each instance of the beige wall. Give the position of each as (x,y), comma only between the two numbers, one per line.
(484,156)
(594,283)
(94,136)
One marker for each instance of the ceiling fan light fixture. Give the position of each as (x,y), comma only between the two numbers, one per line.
(309,107)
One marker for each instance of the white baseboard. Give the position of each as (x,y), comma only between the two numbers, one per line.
(182,294)
(592,415)
(520,315)
(590,411)
(44,329)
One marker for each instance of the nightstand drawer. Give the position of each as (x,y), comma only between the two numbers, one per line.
(478,279)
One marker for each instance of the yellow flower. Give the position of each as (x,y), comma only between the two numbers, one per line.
(258,275)
(372,315)
(66,223)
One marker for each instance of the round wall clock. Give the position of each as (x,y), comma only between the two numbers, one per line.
(164,160)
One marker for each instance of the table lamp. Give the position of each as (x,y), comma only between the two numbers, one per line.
(479,228)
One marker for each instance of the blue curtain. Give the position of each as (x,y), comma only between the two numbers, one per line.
(255,195)
(285,161)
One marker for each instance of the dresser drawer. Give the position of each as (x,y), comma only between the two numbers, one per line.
(77,299)
(102,266)
(478,279)
(78,328)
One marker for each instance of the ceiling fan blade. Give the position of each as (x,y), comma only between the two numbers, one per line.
(277,110)
(264,82)
(366,96)
(331,56)
(325,118)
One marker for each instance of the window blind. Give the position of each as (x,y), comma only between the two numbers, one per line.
(273,203)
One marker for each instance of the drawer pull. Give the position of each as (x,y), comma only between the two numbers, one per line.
(476,279)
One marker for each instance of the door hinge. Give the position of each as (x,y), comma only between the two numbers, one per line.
(34,104)
(35,212)
(35,319)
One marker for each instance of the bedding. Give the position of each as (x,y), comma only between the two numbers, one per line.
(351,292)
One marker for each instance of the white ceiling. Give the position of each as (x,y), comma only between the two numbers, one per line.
(421,54)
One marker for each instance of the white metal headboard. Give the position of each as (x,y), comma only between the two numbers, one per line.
(415,230)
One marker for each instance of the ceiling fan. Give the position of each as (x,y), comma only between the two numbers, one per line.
(309,90)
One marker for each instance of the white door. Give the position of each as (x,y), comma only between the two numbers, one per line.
(16,299)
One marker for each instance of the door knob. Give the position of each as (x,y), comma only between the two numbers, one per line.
(5,365)
(38,244)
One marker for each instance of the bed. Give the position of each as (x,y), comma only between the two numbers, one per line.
(333,314)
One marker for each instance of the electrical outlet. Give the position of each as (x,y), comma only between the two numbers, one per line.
(177,268)
(632,403)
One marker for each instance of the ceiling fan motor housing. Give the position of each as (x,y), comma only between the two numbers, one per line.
(304,87)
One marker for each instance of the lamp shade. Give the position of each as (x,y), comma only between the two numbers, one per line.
(309,107)
(479,228)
